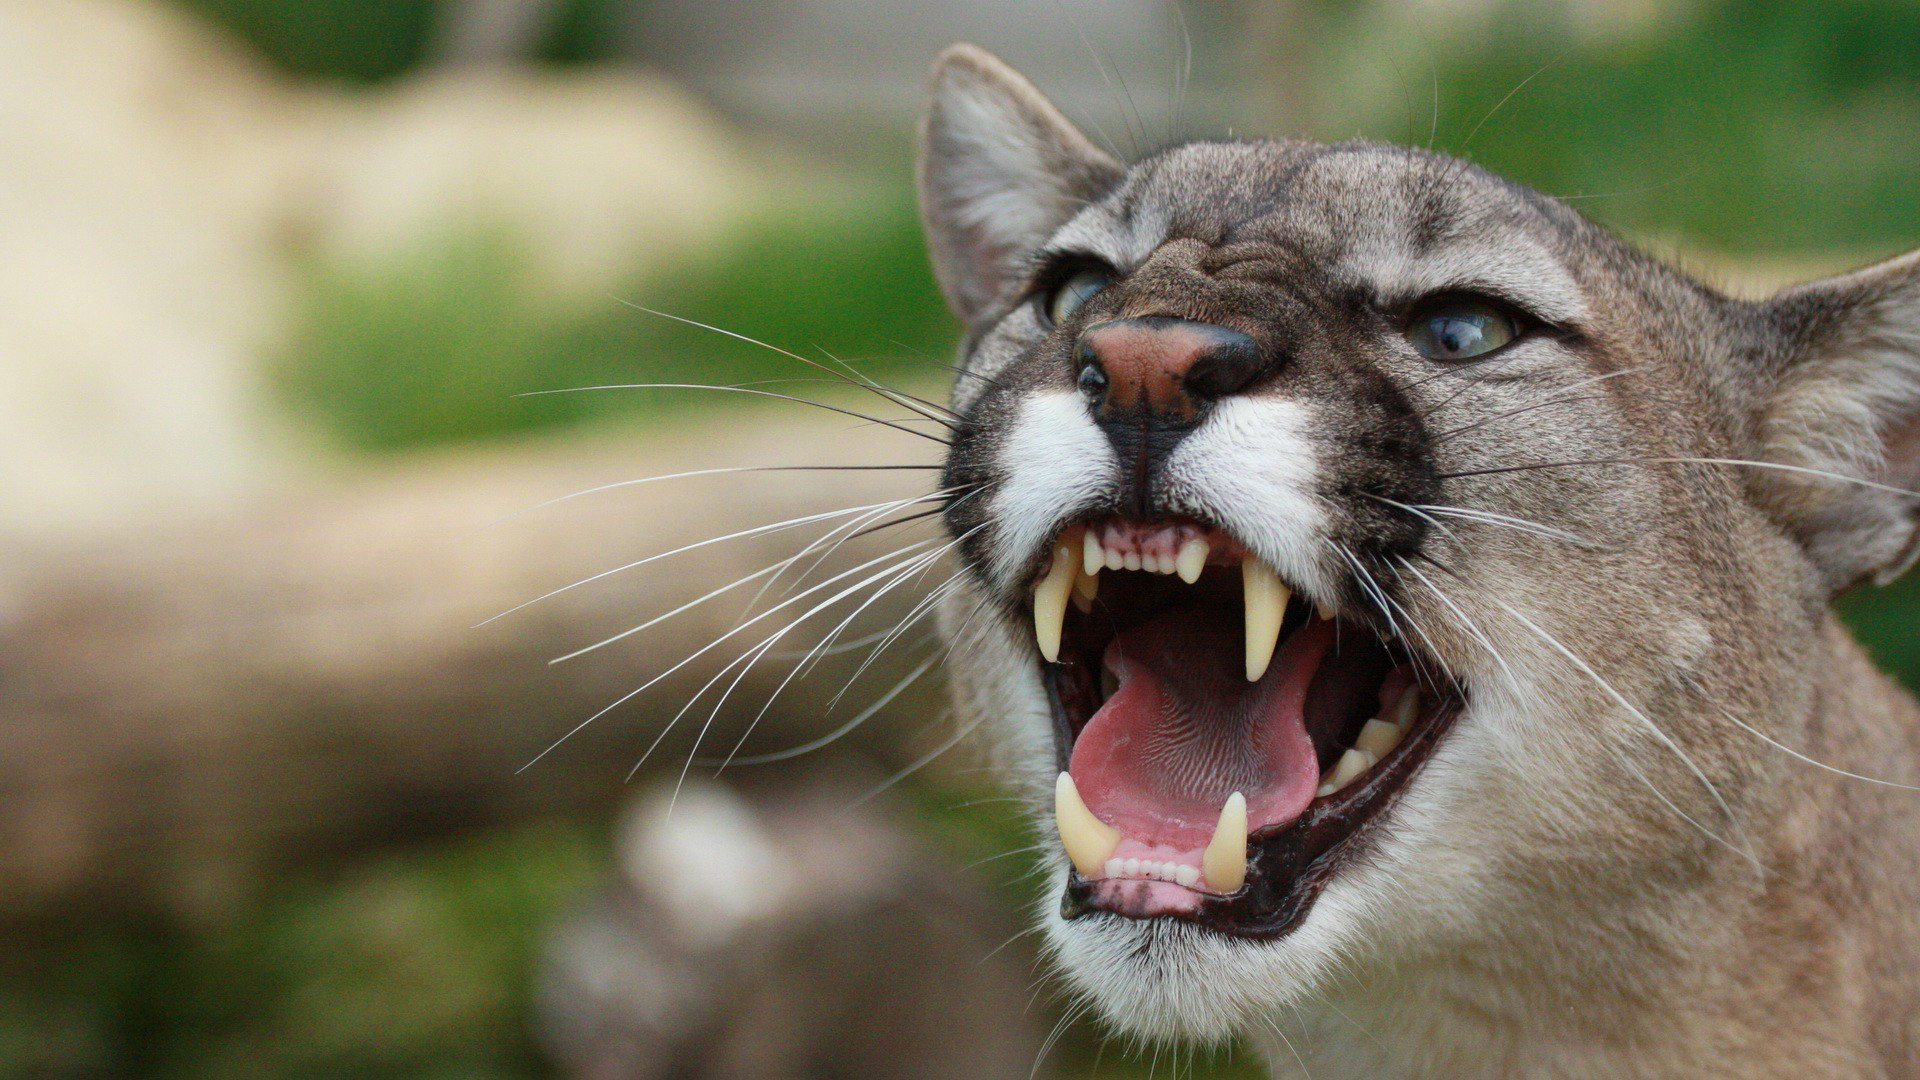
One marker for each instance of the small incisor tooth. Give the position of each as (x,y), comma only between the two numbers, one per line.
(1266,603)
(1050,599)
(1192,560)
(1089,841)
(1092,555)
(1379,737)
(1224,863)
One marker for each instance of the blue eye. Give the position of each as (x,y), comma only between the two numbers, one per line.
(1460,329)
(1066,297)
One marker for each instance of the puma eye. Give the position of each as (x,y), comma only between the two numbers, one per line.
(1460,329)
(1059,303)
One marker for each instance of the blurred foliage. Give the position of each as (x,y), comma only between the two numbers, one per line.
(1748,125)
(435,347)
(411,965)
(367,41)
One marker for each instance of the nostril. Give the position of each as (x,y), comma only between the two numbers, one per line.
(1093,378)
(1226,369)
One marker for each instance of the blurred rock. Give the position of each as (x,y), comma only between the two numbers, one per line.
(160,190)
(784,934)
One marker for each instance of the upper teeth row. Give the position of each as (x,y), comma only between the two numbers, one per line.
(1074,574)
(1188,561)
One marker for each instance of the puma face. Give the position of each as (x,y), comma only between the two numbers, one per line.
(1379,575)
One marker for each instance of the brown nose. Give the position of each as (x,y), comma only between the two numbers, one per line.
(1162,366)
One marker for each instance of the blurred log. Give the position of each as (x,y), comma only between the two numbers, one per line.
(188,705)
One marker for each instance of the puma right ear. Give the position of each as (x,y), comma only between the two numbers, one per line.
(1846,401)
(1000,170)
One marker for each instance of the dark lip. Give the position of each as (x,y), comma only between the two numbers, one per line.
(1288,865)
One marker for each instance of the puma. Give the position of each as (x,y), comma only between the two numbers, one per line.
(1407,608)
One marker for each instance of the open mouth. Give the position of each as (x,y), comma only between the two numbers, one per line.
(1225,743)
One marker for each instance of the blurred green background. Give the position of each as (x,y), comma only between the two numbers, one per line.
(1734,134)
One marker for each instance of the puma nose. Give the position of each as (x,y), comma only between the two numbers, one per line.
(1164,367)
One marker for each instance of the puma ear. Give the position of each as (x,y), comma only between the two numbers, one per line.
(1000,170)
(1846,400)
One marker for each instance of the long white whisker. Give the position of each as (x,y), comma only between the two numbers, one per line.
(703,472)
(744,662)
(1790,751)
(917,564)
(858,379)
(1466,622)
(837,733)
(1517,524)
(918,764)
(775,569)
(753,657)
(757,530)
(1632,710)
(715,643)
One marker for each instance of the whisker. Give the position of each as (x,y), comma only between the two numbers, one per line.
(754,391)
(1817,764)
(752,657)
(832,736)
(1632,710)
(708,472)
(757,530)
(918,764)
(1801,469)
(1464,428)
(861,381)
(710,646)
(1465,622)
(800,669)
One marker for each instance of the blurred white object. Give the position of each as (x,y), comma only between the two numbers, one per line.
(783,935)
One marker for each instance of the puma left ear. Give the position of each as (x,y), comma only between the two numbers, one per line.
(1846,400)
(1000,170)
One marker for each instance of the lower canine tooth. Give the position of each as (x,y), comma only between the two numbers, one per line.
(1089,841)
(1192,560)
(1050,599)
(1224,863)
(1266,602)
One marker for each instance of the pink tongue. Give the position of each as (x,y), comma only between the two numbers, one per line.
(1185,730)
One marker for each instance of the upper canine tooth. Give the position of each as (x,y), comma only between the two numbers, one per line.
(1379,737)
(1192,560)
(1091,554)
(1224,863)
(1089,841)
(1050,599)
(1266,602)
(1325,611)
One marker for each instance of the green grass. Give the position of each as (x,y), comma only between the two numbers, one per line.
(440,345)
(1751,126)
